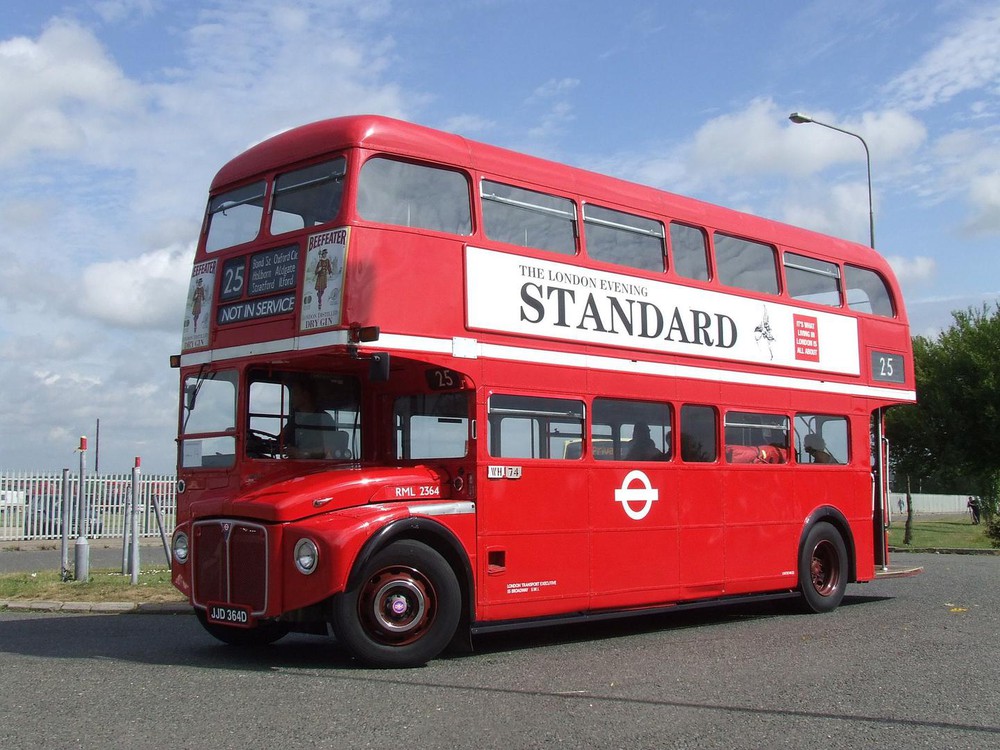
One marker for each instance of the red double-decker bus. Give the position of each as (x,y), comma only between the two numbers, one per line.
(431,388)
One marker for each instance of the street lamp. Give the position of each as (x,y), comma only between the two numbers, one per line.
(798,118)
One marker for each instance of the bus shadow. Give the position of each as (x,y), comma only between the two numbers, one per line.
(544,635)
(180,641)
(160,640)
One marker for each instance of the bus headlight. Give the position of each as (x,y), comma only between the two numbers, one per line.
(306,556)
(181,547)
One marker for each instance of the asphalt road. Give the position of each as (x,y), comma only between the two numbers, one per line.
(27,557)
(909,663)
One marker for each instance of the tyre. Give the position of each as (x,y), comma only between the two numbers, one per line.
(259,635)
(823,569)
(403,610)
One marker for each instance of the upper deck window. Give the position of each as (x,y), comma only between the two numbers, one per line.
(528,218)
(867,292)
(414,195)
(690,252)
(622,238)
(812,280)
(307,197)
(745,264)
(234,217)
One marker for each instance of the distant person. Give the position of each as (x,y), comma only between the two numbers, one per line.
(817,450)
(973,506)
(642,447)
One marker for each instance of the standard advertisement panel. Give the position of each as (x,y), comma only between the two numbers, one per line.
(535,297)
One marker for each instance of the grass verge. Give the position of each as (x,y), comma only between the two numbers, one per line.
(940,532)
(103,586)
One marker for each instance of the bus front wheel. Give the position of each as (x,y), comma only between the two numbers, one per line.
(823,569)
(403,610)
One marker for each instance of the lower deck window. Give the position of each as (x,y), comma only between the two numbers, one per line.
(756,438)
(698,434)
(535,427)
(630,430)
(432,426)
(821,439)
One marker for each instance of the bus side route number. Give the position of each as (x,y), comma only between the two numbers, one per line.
(888,368)
(443,379)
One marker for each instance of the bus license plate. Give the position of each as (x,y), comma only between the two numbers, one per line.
(230,614)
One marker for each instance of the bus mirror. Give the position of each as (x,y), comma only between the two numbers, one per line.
(378,372)
(364,334)
(190,394)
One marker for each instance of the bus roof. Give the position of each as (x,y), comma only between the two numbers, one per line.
(389,135)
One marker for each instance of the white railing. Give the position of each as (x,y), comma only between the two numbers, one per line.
(31,504)
(928,503)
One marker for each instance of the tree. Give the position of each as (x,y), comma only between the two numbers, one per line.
(950,440)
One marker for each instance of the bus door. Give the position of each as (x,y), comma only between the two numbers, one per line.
(632,504)
(699,497)
(762,525)
(533,546)
(880,488)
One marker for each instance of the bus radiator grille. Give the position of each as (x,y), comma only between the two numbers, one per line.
(230,564)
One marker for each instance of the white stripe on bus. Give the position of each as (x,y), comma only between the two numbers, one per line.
(402,342)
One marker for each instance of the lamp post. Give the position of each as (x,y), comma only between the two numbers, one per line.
(879,516)
(798,118)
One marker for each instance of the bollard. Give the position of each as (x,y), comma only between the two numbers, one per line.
(82,547)
(134,522)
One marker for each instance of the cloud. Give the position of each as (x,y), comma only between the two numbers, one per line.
(968,164)
(984,200)
(745,142)
(143,293)
(553,97)
(913,270)
(105,178)
(967,59)
(468,125)
(57,91)
(114,11)
(758,140)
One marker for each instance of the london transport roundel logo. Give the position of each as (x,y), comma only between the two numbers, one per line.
(644,495)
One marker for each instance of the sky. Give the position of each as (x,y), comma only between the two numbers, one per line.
(116,114)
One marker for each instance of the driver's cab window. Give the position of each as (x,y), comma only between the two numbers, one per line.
(303,416)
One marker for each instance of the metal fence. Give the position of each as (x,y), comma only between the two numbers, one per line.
(928,503)
(32,504)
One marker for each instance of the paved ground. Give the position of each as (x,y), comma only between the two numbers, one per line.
(33,557)
(907,663)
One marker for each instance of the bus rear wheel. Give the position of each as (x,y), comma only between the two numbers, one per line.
(403,610)
(823,568)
